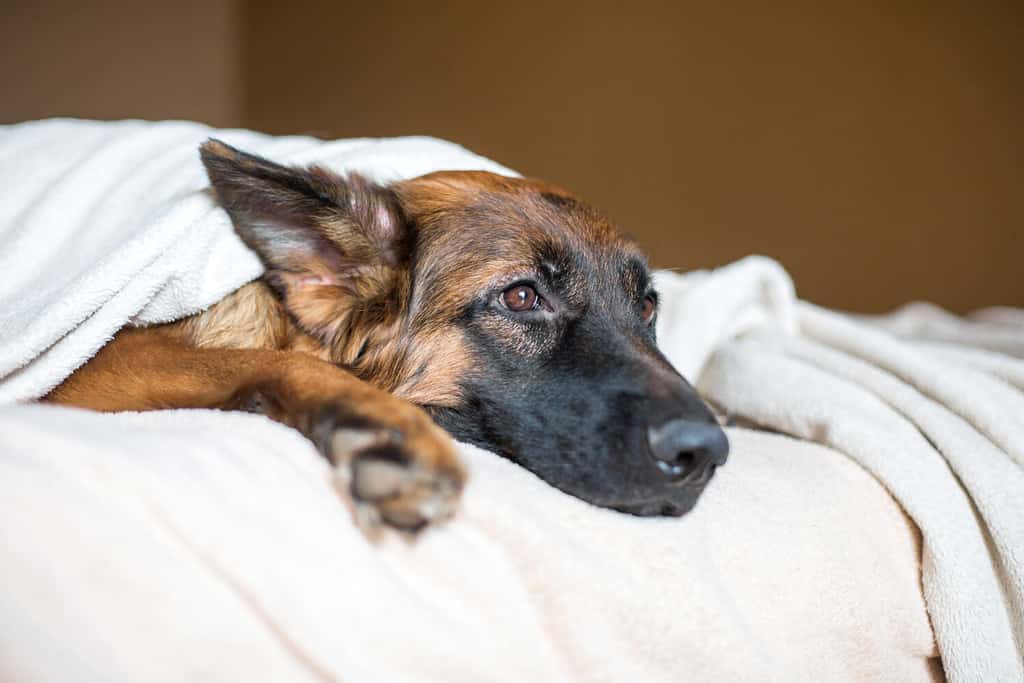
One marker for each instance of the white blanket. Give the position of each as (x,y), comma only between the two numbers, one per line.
(197,546)
(206,546)
(941,425)
(108,223)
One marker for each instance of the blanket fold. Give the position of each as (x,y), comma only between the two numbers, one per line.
(943,432)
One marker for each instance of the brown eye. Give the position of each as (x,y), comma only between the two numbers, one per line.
(648,310)
(520,298)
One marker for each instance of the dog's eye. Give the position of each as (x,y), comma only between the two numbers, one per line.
(647,313)
(520,298)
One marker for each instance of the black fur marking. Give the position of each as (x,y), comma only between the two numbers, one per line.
(578,414)
(560,201)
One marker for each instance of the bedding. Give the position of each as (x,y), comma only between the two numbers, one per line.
(192,545)
(928,403)
(158,248)
(880,529)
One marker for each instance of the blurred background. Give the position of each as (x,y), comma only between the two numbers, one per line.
(876,149)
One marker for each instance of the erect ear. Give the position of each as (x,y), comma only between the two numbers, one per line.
(333,247)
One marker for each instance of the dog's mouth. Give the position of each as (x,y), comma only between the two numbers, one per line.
(681,501)
(615,459)
(648,483)
(657,509)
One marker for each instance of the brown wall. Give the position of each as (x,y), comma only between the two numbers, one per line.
(876,149)
(115,59)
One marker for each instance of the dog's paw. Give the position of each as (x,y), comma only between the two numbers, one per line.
(405,476)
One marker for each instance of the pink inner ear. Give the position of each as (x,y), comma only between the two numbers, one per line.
(385,222)
(315,280)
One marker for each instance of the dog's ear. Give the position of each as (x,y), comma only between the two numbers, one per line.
(333,247)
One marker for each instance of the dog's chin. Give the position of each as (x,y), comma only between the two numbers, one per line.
(672,502)
(672,508)
(676,505)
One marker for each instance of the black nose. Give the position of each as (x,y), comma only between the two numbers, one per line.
(684,449)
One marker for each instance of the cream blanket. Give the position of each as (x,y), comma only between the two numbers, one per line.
(933,407)
(197,546)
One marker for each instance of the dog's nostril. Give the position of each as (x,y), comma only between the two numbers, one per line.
(683,447)
(679,466)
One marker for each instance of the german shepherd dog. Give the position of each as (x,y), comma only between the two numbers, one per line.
(503,311)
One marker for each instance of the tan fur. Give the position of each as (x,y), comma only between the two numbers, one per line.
(253,318)
(250,318)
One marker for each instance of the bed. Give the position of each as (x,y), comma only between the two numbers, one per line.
(869,524)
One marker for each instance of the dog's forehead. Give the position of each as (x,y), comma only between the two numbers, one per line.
(497,224)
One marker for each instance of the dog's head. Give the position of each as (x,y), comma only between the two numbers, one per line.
(512,311)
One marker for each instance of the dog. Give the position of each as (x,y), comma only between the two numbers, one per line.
(504,312)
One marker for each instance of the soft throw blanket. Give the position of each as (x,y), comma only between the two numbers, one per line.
(189,544)
(200,546)
(104,224)
(930,404)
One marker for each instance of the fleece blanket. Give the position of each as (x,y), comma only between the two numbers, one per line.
(931,405)
(191,545)
(200,546)
(104,224)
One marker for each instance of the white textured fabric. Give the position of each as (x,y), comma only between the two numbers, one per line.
(201,546)
(702,310)
(930,404)
(157,247)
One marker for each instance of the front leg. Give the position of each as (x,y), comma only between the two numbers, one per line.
(395,466)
